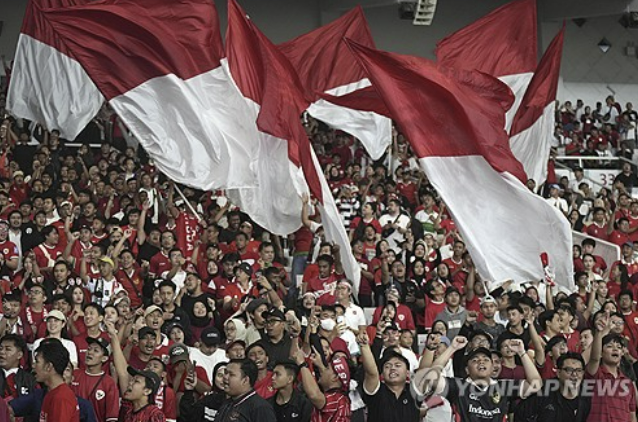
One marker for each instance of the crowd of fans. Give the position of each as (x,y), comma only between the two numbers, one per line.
(126,297)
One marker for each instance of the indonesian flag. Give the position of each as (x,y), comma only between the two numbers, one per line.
(502,44)
(533,126)
(269,82)
(157,63)
(47,84)
(463,149)
(324,66)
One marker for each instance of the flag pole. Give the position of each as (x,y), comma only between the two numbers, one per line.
(188,204)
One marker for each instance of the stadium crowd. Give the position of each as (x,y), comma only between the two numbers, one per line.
(127,298)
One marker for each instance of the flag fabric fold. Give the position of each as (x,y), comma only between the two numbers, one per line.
(48,85)
(463,149)
(503,43)
(324,66)
(267,78)
(533,126)
(159,68)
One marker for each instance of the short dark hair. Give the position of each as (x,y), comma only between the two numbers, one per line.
(326,258)
(167,283)
(569,355)
(97,307)
(18,341)
(248,369)
(47,230)
(53,351)
(290,367)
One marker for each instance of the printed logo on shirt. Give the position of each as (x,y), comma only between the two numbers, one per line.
(99,395)
(209,414)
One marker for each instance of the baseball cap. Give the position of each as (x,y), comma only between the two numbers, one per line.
(211,336)
(107,260)
(341,368)
(451,290)
(488,299)
(553,342)
(392,326)
(172,325)
(144,331)
(445,340)
(254,304)
(178,353)
(152,309)
(630,244)
(57,315)
(478,351)
(102,342)
(152,378)
(245,267)
(393,354)
(85,227)
(273,313)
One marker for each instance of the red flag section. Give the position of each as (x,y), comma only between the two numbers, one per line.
(533,126)
(454,122)
(169,88)
(501,43)
(324,66)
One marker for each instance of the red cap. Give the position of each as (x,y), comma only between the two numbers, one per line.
(340,345)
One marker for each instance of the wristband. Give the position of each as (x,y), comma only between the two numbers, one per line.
(303,365)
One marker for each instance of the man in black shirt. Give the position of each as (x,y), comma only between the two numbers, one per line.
(390,400)
(562,404)
(479,398)
(244,403)
(289,404)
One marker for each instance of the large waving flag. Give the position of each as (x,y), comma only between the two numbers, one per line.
(158,65)
(47,84)
(502,44)
(463,149)
(533,126)
(267,79)
(324,66)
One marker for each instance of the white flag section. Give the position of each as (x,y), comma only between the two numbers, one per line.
(199,140)
(372,129)
(518,84)
(51,88)
(497,230)
(335,231)
(532,146)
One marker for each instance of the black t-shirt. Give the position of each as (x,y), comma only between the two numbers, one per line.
(553,407)
(385,406)
(298,408)
(146,252)
(475,403)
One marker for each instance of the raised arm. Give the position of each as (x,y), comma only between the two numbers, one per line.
(603,326)
(310,386)
(371,379)
(119,361)
(533,380)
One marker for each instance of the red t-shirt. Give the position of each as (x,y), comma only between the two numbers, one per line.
(149,413)
(432,309)
(199,371)
(403,318)
(101,391)
(81,345)
(596,231)
(159,263)
(325,287)
(9,250)
(453,265)
(45,256)
(303,240)
(611,406)
(618,238)
(264,387)
(60,405)
(336,409)
(549,370)
(133,283)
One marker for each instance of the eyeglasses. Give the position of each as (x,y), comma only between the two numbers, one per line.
(34,292)
(573,371)
(273,321)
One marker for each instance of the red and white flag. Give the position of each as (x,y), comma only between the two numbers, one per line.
(502,44)
(157,63)
(267,80)
(324,66)
(533,126)
(463,148)
(47,84)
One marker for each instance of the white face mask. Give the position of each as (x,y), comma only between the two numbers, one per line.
(328,324)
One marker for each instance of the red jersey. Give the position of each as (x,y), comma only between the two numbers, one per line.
(45,256)
(264,387)
(632,267)
(408,190)
(9,250)
(303,240)
(60,405)
(618,238)
(612,406)
(336,409)
(133,283)
(101,391)
(596,231)
(199,371)
(148,413)
(549,370)
(403,317)
(324,288)
(453,265)
(432,309)
(159,263)
(235,291)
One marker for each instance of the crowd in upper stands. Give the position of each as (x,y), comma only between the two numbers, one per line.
(127,297)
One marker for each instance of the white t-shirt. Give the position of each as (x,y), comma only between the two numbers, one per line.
(68,344)
(395,238)
(354,317)
(108,288)
(207,362)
